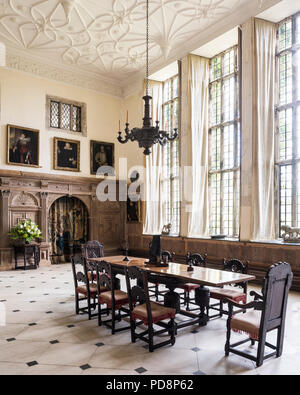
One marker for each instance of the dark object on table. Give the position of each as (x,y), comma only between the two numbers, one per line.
(189,262)
(155,251)
(27,250)
(269,314)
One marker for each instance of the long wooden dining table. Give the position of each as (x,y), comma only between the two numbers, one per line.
(176,274)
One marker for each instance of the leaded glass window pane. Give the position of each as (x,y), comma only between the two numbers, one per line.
(216,97)
(76,122)
(65,116)
(286,134)
(285,78)
(170,179)
(285,35)
(288,118)
(224,145)
(54,114)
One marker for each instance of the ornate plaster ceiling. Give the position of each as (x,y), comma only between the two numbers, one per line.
(106,37)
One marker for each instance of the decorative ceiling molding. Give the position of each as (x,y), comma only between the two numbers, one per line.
(105,40)
(19,62)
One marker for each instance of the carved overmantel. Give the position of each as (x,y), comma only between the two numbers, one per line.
(30,195)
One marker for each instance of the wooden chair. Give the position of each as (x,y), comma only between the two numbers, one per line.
(113,298)
(143,310)
(92,249)
(85,290)
(154,289)
(196,260)
(269,314)
(220,294)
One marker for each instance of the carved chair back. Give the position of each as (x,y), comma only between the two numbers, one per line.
(137,289)
(275,291)
(237,266)
(82,272)
(104,276)
(93,249)
(79,271)
(196,259)
(168,254)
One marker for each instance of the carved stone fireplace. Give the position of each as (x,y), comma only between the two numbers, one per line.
(30,195)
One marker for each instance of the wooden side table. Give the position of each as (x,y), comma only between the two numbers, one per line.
(32,250)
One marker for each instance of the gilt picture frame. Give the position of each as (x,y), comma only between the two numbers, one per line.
(66,154)
(102,154)
(23,146)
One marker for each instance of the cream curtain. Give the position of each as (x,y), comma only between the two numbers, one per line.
(154,222)
(198,91)
(263,193)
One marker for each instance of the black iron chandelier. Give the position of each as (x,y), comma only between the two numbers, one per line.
(148,135)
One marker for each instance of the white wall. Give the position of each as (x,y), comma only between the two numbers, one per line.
(23,100)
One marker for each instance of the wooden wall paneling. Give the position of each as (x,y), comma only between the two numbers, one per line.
(30,195)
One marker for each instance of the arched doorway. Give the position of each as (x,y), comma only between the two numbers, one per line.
(68,228)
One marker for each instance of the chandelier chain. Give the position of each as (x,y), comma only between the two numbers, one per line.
(147,50)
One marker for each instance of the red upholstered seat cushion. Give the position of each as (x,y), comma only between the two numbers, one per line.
(188,287)
(159,313)
(82,290)
(247,323)
(121,298)
(223,293)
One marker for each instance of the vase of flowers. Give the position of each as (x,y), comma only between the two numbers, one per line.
(25,232)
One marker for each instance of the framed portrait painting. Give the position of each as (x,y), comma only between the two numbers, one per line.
(134,214)
(66,154)
(23,146)
(102,154)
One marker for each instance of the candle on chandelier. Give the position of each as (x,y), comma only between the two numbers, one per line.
(175,122)
(127,117)
(157,113)
(119,125)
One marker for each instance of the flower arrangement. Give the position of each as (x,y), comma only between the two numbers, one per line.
(26,230)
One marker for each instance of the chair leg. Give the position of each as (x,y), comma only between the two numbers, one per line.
(156,292)
(280,338)
(261,351)
(113,321)
(89,309)
(172,331)
(221,308)
(132,329)
(227,345)
(77,304)
(99,315)
(151,339)
(188,299)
